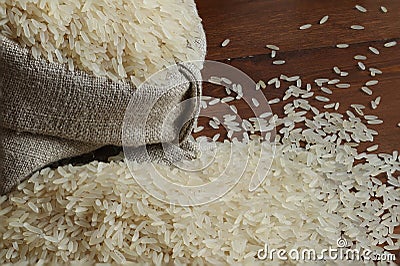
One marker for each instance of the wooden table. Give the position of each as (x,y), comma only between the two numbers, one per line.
(310,53)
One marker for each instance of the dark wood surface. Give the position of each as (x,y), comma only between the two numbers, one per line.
(311,53)
(252,24)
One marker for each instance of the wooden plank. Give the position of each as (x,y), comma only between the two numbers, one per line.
(317,57)
(250,25)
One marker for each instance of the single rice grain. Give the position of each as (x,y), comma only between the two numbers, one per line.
(390,44)
(373,50)
(324,19)
(272,47)
(357,27)
(366,90)
(305,26)
(361,8)
(225,42)
(360,57)
(342,45)
(279,62)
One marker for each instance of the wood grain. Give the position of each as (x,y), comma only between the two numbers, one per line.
(311,53)
(250,25)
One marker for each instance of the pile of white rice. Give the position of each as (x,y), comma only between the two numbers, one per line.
(117,39)
(319,189)
(98,213)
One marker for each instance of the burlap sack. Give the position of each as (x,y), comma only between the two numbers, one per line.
(49,113)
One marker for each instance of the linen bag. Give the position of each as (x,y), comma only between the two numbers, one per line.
(49,113)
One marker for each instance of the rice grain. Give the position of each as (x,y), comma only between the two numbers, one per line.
(214,102)
(373,148)
(366,90)
(342,45)
(360,57)
(272,47)
(373,50)
(255,102)
(371,82)
(390,44)
(274,101)
(305,26)
(361,65)
(279,62)
(324,19)
(361,8)
(326,90)
(343,85)
(322,99)
(225,42)
(357,27)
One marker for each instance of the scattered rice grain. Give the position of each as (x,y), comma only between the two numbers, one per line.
(324,19)
(342,45)
(255,102)
(343,85)
(370,117)
(279,62)
(390,44)
(333,81)
(371,82)
(227,99)
(262,84)
(214,102)
(329,106)
(326,90)
(361,8)
(322,99)
(357,27)
(373,148)
(226,80)
(366,90)
(213,124)
(274,101)
(305,26)
(198,129)
(360,57)
(375,122)
(337,70)
(225,42)
(272,47)
(373,50)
